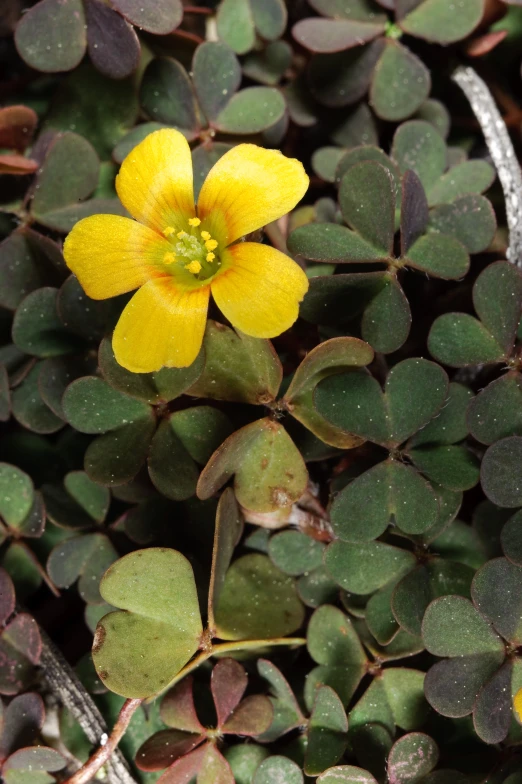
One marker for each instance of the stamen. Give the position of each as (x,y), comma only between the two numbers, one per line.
(211,256)
(181,234)
(194,267)
(194,221)
(169,258)
(211,244)
(168,231)
(205,235)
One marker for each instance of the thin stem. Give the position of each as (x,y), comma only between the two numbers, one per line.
(88,771)
(501,151)
(65,684)
(192,9)
(225,647)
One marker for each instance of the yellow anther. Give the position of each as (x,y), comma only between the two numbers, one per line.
(181,234)
(168,231)
(205,235)
(211,244)
(211,256)
(194,221)
(169,258)
(193,267)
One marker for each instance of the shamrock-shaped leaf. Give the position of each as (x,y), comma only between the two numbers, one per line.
(414,592)
(453,627)
(235,716)
(327,731)
(370,196)
(395,697)
(211,99)
(363,568)
(79,504)
(140,648)
(261,446)
(183,440)
(21,722)
(37,327)
(327,359)
(415,390)
(334,645)
(84,558)
(20,642)
(102,111)
(254,582)
(237,367)
(391,490)
(238,23)
(28,261)
(287,713)
(128,425)
(458,339)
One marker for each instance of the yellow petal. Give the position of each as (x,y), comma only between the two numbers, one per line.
(111,255)
(155,181)
(517,704)
(247,188)
(260,290)
(162,325)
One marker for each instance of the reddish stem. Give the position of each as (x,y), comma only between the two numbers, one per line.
(88,771)
(192,9)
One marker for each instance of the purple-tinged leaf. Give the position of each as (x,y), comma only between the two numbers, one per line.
(23,720)
(252,717)
(178,709)
(165,747)
(112,44)
(160,17)
(327,36)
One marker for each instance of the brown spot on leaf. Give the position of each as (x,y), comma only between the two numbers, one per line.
(99,638)
(280,496)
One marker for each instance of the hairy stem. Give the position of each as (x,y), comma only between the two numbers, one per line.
(501,151)
(103,755)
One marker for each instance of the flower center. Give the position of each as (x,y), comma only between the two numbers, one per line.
(194,250)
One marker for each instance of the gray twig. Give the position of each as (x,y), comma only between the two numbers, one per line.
(65,684)
(501,151)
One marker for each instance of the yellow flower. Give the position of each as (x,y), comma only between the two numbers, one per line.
(176,257)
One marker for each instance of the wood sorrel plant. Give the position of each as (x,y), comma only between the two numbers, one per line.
(260,392)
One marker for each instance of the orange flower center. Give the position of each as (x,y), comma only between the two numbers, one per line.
(193,249)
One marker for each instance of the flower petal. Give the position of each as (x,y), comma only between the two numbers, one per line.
(247,188)
(162,326)
(111,255)
(260,291)
(155,181)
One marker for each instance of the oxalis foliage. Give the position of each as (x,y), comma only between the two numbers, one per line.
(294,554)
